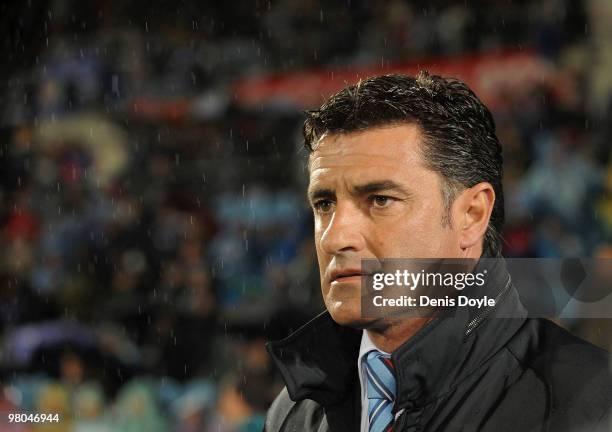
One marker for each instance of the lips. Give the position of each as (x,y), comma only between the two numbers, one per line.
(340,274)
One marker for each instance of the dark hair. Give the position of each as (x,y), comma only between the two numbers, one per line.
(458,131)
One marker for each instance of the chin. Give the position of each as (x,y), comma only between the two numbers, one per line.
(348,316)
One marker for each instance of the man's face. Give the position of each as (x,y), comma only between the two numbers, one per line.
(373,197)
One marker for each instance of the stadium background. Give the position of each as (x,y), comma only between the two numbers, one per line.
(153,226)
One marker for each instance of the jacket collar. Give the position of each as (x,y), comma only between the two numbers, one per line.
(319,360)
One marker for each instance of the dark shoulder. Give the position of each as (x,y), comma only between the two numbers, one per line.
(576,373)
(545,346)
(286,414)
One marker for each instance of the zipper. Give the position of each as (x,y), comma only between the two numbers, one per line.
(482,315)
(399,423)
(401,416)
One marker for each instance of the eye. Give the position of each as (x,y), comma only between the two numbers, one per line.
(323,206)
(380,201)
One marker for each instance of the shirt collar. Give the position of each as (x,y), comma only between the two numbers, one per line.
(367,345)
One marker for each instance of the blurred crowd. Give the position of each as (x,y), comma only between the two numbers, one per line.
(154,231)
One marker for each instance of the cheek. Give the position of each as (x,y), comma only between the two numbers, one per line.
(322,259)
(419,236)
(437,240)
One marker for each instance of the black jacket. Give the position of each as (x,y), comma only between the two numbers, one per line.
(472,371)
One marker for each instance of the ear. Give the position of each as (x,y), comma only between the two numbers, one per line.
(472,213)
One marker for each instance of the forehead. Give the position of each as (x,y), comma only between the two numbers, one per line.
(389,147)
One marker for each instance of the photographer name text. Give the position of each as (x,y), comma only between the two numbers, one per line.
(426,301)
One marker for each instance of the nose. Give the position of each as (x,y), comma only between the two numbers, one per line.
(343,232)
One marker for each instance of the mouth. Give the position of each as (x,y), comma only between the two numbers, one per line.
(346,275)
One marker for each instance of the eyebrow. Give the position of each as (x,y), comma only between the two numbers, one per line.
(316,194)
(363,189)
(380,186)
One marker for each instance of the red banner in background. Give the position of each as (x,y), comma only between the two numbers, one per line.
(491,76)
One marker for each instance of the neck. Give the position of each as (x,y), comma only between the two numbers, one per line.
(389,335)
